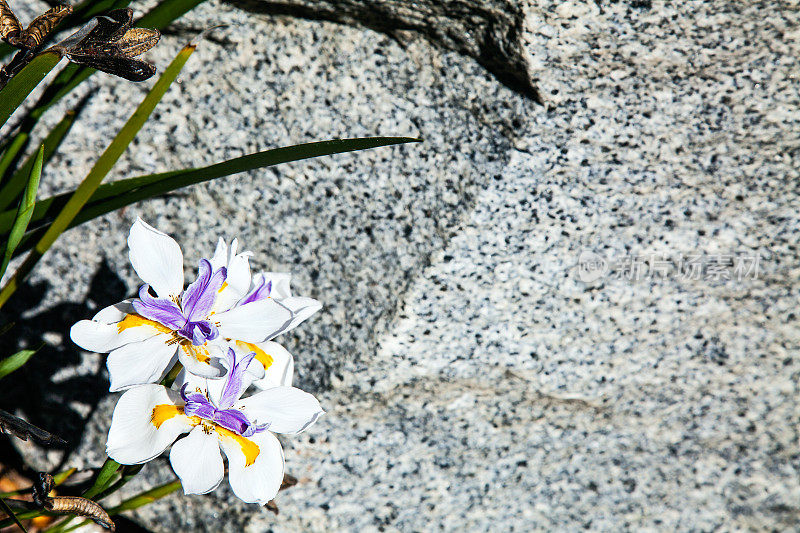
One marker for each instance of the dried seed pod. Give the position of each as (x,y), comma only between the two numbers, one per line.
(38,30)
(9,24)
(108,43)
(81,507)
(12,425)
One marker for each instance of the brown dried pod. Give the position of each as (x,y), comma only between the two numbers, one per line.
(108,43)
(68,504)
(37,31)
(12,425)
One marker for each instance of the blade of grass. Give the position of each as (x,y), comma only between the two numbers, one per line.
(165,12)
(14,362)
(103,479)
(10,513)
(11,155)
(15,185)
(99,171)
(24,212)
(128,473)
(21,85)
(111,196)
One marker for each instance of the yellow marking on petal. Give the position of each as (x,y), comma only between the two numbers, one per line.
(164,411)
(222,288)
(134,321)
(200,353)
(249,448)
(263,357)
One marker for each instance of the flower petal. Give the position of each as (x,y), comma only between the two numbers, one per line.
(286,409)
(199,297)
(140,362)
(141,429)
(156,258)
(196,459)
(277,361)
(114,313)
(301,308)
(257,481)
(253,322)
(204,360)
(280,283)
(99,337)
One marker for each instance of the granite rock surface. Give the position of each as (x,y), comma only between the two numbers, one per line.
(541,318)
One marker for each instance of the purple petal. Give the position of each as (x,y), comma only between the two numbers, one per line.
(232,419)
(197,405)
(255,428)
(199,297)
(162,310)
(234,382)
(259,292)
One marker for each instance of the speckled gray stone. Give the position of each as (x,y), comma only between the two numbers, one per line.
(473,381)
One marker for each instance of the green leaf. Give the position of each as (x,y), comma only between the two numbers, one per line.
(99,171)
(10,156)
(111,196)
(6,509)
(14,362)
(21,85)
(145,497)
(24,212)
(165,12)
(16,184)
(103,479)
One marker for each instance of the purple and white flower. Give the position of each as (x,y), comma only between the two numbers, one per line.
(148,418)
(225,306)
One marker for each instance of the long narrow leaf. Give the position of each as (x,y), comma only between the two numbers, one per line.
(12,153)
(24,212)
(6,509)
(99,171)
(21,85)
(16,184)
(103,480)
(14,362)
(111,196)
(165,12)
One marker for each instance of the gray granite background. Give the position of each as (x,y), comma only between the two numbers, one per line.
(473,379)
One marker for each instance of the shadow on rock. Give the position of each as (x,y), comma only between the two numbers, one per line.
(59,388)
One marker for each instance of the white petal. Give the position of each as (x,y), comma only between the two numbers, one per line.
(156,258)
(192,382)
(114,313)
(212,368)
(141,362)
(280,368)
(99,337)
(280,284)
(254,322)
(286,409)
(220,257)
(196,459)
(260,481)
(301,309)
(134,437)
